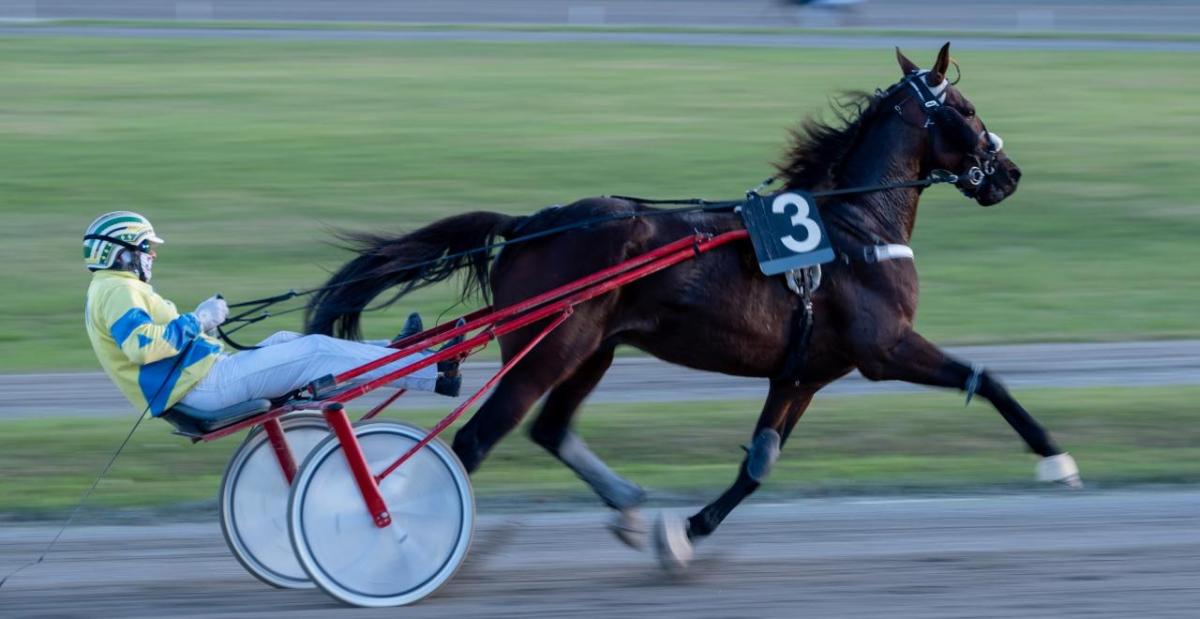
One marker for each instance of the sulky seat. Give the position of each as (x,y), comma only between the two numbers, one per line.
(193,422)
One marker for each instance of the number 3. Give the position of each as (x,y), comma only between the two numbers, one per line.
(784,200)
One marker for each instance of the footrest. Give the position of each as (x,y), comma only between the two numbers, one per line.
(325,387)
(191,421)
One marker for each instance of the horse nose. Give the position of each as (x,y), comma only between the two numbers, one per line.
(1015,174)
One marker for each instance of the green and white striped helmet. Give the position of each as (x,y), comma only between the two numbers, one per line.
(112,232)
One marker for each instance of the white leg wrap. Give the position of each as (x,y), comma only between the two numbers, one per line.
(618,492)
(672,543)
(1060,468)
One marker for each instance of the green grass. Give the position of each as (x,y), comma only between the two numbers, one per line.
(855,444)
(246,153)
(224,24)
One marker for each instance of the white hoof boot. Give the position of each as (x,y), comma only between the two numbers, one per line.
(1059,469)
(672,543)
(630,527)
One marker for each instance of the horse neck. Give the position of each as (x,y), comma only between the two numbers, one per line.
(889,152)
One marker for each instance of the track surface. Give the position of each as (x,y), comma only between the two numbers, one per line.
(1127,554)
(649,380)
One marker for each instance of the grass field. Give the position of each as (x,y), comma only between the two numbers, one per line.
(924,442)
(246,153)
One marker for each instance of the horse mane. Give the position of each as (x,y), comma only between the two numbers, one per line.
(818,148)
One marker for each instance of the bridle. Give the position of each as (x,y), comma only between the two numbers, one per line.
(932,102)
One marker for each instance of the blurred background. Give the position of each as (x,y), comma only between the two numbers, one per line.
(250,131)
(1100,16)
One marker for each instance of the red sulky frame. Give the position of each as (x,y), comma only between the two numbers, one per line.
(489,323)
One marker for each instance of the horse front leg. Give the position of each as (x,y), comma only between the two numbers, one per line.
(785,404)
(915,360)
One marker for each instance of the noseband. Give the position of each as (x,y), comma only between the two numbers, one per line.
(932,101)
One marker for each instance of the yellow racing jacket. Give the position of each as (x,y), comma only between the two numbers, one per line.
(154,354)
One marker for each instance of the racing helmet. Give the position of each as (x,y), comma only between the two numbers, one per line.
(110,233)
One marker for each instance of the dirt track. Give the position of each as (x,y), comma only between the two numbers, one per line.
(1053,554)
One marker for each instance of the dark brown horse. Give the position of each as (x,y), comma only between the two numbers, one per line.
(718,312)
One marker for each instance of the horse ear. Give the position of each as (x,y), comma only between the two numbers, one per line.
(938,72)
(906,66)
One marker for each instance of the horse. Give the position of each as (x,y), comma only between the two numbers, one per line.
(718,312)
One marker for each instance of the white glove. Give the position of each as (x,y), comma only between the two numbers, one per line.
(211,313)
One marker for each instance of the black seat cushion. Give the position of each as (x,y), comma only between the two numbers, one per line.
(193,421)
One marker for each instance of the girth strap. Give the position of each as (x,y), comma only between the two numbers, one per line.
(802,326)
(797,351)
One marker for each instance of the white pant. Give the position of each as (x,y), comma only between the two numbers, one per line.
(288,361)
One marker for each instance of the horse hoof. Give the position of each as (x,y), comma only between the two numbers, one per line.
(1060,469)
(630,527)
(1073,482)
(672,543)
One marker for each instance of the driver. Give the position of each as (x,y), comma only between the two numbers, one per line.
(159,357)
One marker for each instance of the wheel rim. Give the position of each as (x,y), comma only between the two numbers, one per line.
(430,502)
(254,499)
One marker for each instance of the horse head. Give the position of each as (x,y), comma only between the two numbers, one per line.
(959,141)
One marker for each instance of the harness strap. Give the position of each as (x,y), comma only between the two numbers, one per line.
(891,251)
(872,254)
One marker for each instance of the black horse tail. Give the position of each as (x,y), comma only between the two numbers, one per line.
(407,262)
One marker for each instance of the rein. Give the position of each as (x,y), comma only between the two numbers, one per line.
(256,309)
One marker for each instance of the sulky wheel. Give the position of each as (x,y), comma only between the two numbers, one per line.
(431,505)
(254,499)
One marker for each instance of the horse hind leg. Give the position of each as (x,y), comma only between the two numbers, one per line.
(503,410)
(552,430)
(673,536)
(547,363)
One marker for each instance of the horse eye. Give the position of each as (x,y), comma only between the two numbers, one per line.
(969,113)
